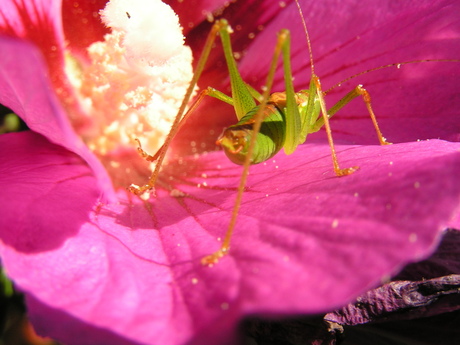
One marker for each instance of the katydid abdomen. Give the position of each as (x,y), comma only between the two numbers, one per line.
(270,139)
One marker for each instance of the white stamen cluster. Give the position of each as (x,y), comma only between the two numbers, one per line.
(137,78)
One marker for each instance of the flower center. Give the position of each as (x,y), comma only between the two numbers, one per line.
(133,85)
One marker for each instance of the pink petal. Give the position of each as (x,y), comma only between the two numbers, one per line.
(31,72)
(38,22)
(25,89)
(38,202)
(300,249)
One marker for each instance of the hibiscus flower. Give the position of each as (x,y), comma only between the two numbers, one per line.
(99,265)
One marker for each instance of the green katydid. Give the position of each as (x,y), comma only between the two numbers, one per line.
(280,120)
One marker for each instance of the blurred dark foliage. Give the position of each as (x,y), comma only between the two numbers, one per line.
(6,117)
(15,329)
(421,306)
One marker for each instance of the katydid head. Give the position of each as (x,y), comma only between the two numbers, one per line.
(235,142)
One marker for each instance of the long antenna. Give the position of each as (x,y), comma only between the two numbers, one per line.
(395,64)
(302,17)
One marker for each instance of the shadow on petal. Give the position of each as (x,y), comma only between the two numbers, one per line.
(74,327)
(47,193)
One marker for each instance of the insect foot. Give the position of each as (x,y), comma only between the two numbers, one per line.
(140,191)
(384,141)
(212,259)
(345,172)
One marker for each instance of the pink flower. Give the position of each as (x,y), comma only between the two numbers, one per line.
(99,266)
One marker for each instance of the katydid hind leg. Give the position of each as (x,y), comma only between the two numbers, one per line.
(357,91)
(338,171)
(225,247)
